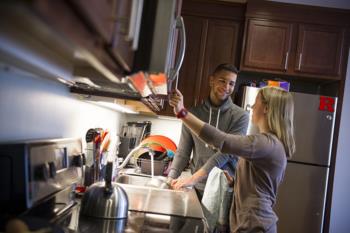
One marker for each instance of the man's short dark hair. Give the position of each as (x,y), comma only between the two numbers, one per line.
(227,67)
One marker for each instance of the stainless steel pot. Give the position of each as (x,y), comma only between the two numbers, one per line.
(105,199)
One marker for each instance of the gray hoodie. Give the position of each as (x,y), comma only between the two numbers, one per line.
(228,118)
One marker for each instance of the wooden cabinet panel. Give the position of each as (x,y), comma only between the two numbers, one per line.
(267,45)
(319,49)
(296,40)
(121,46)
(190,73)
(99,14)
(214,34)
(221,47)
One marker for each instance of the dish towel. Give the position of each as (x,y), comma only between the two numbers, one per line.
(216,201)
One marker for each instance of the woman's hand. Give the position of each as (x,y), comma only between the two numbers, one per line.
(182,183)
(176,101)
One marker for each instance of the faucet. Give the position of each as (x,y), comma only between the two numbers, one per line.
(159,181)
(131,153)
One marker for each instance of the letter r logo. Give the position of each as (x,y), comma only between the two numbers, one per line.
(326,104)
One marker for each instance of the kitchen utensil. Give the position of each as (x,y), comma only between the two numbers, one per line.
(158,83)
(160,143)
(105,199)
(140,83)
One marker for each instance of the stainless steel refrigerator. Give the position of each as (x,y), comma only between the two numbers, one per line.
(301,197)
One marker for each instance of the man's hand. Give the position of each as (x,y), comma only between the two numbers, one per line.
(182,183)
(169,181)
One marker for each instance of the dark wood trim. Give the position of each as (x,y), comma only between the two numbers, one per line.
(297,13)
(303,75)
(345,60)
(210,8)
(201,61)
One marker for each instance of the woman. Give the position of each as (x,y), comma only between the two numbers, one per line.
(262,162)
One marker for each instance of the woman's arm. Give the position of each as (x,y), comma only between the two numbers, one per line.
(190,120)
(250,147)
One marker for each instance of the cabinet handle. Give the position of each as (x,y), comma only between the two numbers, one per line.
(300,57)
(132,21)
(135,23)
(286,61)
(179,23)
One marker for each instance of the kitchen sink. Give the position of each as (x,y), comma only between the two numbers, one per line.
(140,180)
(147,196)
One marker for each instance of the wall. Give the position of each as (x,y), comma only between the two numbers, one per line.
(33,107)
(166,126)
(339,220)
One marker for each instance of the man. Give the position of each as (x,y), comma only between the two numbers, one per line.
(219,111)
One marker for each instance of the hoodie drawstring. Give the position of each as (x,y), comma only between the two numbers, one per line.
(217,120)
(209,115)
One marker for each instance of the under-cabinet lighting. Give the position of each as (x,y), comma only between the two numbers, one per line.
(168,118)
(117,107)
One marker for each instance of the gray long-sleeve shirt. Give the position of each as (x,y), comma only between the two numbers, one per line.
(232,120)
(260,170)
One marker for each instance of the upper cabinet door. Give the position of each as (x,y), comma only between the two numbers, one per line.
(267,45)
(190,74)
(319,49)
(221,46)
(121,45)
(100,14)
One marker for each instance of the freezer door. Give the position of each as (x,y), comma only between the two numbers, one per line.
(314,125)
(301,199)
(249,95)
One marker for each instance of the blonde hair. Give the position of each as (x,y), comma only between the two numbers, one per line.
(280,115)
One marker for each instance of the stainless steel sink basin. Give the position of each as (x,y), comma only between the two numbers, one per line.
(144,197)
(133,179)
(155,182)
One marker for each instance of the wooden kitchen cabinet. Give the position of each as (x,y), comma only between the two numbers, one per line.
(110,20)
(64,21)
(99,14)
(319,49)
(221,47)
(121,46)
(189,80)
(214,33)
(296,40)
(268,45)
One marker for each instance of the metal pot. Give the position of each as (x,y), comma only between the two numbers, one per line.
(105,199)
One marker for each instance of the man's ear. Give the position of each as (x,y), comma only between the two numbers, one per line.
(211,80)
